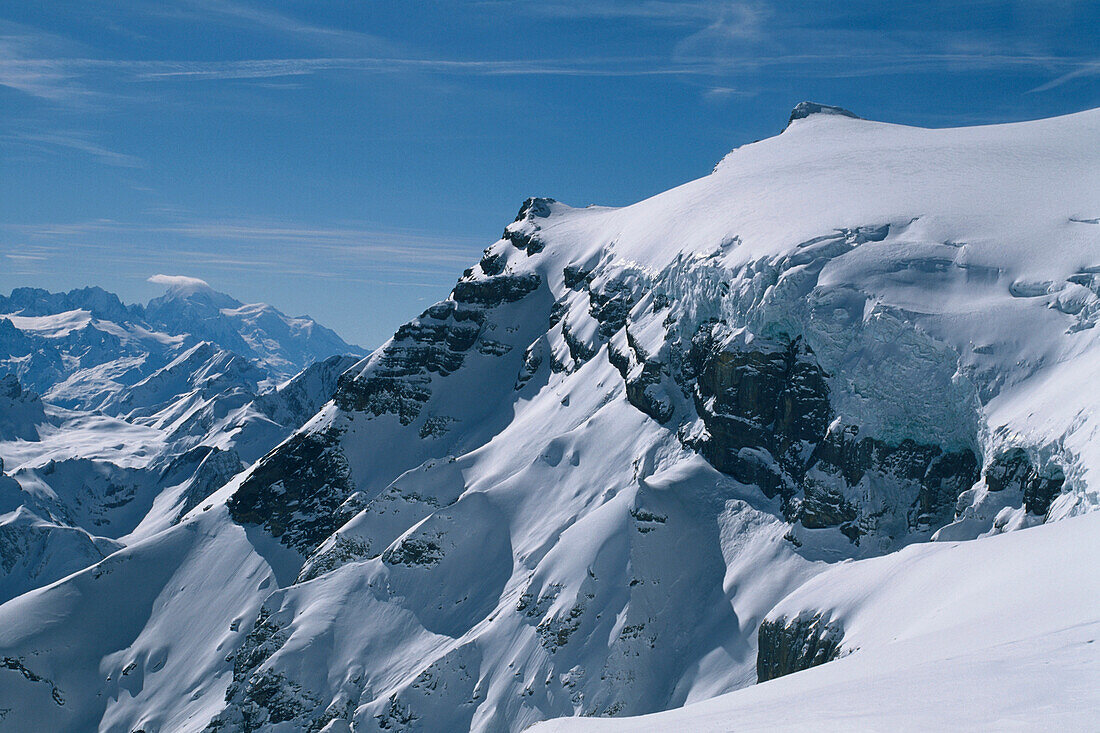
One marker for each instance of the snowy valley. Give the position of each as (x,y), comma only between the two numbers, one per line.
(811,441)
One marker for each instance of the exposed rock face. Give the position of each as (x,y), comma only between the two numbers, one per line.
(256,698)
(610,305)
(17,665)
(398,378)
(299,493)
(762,407)
(802,110)
(643,377)
(769,422)
(399,382)
(523,232)
(935,477)
(493,291)
(1013,470)
(792,645)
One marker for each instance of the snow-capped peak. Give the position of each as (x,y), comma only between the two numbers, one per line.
(195,292)
(802,110)
(585,482)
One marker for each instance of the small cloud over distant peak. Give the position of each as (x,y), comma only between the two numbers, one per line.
(179,282)
(723,94)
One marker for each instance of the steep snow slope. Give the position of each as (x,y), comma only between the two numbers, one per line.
(580,484)
(994,635)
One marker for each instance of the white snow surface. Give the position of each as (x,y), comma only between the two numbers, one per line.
(526,544)
(992,635)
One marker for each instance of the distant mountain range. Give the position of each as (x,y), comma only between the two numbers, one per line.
(81,348)
(143,412)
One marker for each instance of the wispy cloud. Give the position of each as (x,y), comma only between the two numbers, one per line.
(272,246)
(63,79)
(41,78)
(74,141)
(725,42)
(55,77)
(723,93)
(664,11)
(1086,69)
(263,17)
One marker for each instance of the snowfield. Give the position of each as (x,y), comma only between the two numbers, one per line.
(995,634)
(824,419)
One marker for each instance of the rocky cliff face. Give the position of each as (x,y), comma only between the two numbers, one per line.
(787,645)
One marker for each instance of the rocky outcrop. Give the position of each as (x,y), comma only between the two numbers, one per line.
(494,291)
(397,379)
(257,698)
(576,277)
(1013,470)
(21,411)
(300,492)
(610,305)
(802,110)
(643,377)
(934,477)
(768,419)
(792,645)
(523,233)
(18,665)
(762,406)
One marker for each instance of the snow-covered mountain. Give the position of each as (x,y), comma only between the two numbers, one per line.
(140,418)
(85,349)
(644,457)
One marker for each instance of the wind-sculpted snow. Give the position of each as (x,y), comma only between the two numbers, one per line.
(584,482)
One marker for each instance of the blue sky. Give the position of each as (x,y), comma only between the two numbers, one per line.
(349,159)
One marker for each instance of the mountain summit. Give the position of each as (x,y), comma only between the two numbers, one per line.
(802,110)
